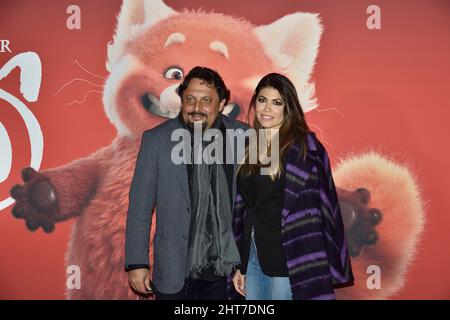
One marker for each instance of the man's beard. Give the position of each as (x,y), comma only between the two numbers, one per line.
(191,124)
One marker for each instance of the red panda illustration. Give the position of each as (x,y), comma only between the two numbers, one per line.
(153,47)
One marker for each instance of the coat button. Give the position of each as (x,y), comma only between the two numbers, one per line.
(185,237)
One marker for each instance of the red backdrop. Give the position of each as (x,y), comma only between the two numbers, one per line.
(391,87)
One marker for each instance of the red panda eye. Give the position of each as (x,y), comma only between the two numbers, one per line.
(174,74)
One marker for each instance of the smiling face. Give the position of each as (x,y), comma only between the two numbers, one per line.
(200,102)
(269,107)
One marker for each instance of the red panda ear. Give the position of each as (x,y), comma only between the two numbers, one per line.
(155,11)
(292,43)
(131,13)
(134,16)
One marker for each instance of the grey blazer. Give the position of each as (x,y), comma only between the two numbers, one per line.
(157,180)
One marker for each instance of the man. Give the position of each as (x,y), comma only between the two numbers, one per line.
(194,249)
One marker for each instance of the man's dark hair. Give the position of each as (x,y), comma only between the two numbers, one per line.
(209,76)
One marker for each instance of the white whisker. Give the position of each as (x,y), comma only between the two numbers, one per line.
(85,70)
(76,79)
(321,133)
(328,109)
(84,97)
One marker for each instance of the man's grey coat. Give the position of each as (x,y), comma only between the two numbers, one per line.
(157,180)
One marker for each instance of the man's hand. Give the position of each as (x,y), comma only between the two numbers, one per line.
(239,282)
(140,280)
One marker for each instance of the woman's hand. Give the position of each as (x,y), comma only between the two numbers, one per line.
(239,282)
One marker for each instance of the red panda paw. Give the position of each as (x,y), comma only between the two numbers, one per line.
(360,221)
(384,216)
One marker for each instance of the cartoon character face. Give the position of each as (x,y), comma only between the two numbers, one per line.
(152,53)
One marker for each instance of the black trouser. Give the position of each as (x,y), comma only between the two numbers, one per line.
(198,290)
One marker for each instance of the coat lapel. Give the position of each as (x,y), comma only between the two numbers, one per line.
(180,170)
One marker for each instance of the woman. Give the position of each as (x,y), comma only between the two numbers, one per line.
(287,223)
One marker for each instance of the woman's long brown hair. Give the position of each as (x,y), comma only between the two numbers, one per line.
(293,129)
